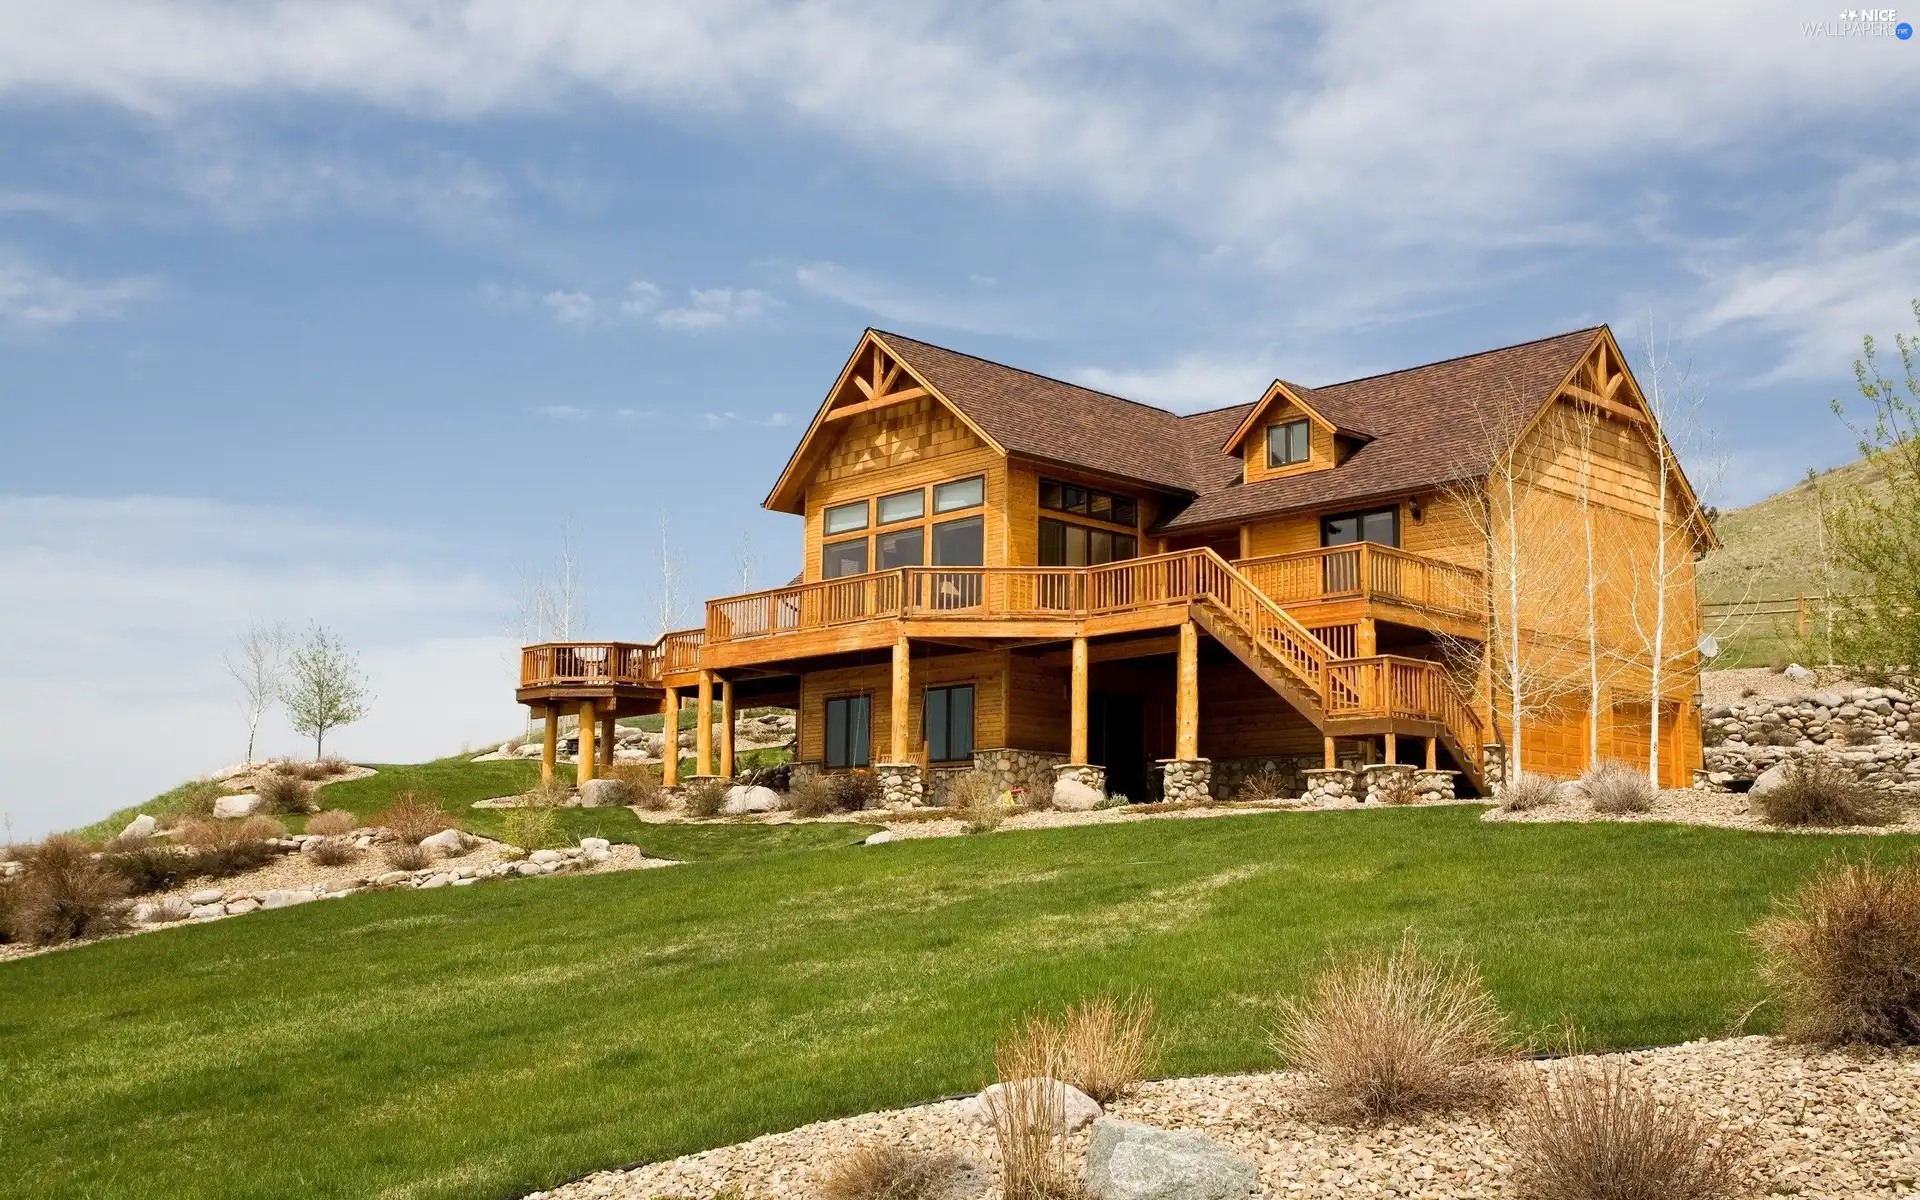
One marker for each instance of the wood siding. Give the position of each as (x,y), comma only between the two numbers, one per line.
(1254,449)
(985,670)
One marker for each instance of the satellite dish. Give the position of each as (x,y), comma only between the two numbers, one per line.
(1709,647)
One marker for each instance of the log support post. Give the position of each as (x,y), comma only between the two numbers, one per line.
(1366,641)
(900,693)
(1077,737)
(549,742)
(1433,754)
(670,731)
(703,728)
(726,729)
(583,772)
(1392,748)
(1186,707)
(608,733)
(1332,760)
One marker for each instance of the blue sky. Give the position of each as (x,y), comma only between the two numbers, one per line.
(337,312)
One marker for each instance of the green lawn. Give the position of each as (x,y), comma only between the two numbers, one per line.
(483,1041)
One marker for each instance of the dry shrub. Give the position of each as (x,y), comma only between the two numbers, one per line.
(407,856)
(1817,791)
(150,868)
(855,790)
(1029,1117)
(531,827)
(284,794)
(1397,789)
(641,783)
(811,796)
(974,798)
(1844,956)
(222,848)
(888,1173)
(169,908)
(705,797)
(66,894)
(336,851)
(333,822)
(1391,1035)
(1614,787)
(414,815)
(1593,1132)
(195,800)
(1264,782)
(1107,1046)
(9,902)
(1525,792)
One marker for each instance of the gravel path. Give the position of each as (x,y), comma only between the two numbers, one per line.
(1818,1124)
(1719,688)
(1728,810)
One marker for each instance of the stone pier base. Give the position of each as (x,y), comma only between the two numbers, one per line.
(1186,780)
(1389,783)
(1493,764)
(1091,775)
(1435,787)
(902,785)
(1336,786)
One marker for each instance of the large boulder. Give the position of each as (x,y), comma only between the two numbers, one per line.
(140,827)
(1139,1162)
(750,799)
(236,806)
(1077,1109)
(1071,795)
(592,844)
(1769,779)
(602,793)
(447,841)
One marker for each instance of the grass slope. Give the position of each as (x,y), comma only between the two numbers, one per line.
(484,1041)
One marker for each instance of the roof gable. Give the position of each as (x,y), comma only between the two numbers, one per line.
(1302,398)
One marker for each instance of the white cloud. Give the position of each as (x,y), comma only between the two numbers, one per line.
(711,308)
(897,302)
(564,412)
(1192,383)
(123,607)
(33,297)
(641,298)
(570,308)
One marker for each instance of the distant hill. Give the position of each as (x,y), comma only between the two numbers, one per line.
(1772,552)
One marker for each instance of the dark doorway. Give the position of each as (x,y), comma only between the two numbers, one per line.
(1116,740)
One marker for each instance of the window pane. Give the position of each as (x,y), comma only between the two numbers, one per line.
(1380,527)
(836,733)
(903,549)
(1050,495)
(1125,546)
(1340,531)
(902,506)
(1276,446)
(1074,499)
(936,723)
(1099,546)
(1298,450)
(963,493)
(843,558)
(845,518)
(1053,543)
(959,543)
(1125,512)
(859,726)
(1076,545)
(960,724)
(1100,505)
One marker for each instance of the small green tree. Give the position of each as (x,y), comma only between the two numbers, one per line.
(326,689)
(1874,531)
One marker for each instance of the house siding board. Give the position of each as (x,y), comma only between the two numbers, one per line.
(1241,717)
(1254,450)
(1039,702)
(984,670)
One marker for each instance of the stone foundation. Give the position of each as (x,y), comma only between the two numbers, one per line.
(1024,772)
(1493,764)
(902,785)
(1089,774)
(1872,731)
(1435,787)
(1186,780)
(1389,783)
(1337,786)
(1230,773)
(803,771)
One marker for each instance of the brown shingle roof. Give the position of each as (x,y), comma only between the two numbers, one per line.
(1430,425)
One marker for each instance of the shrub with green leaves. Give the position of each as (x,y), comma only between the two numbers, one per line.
(531,827)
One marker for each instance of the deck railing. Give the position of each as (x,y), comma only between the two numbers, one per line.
(1368,570)
(588,663)
(1414,689)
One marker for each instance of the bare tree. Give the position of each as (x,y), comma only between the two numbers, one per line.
(325,687)
(744,561)
(669,601)
(259,665)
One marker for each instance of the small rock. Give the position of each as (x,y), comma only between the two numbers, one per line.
(528,869)
(235,806)
(438,881)
(1127,1161)
(202,912)
(599,856)
(742,799)
(465,882)
(449,841)
(1796,671)
(1768,780)
(239,907)
(878,839)
(207,896)
(602,793)
(388,878)
(278,899)
(1078,1108)
(1070,795)
(591,844)
(140,827)
(544,857)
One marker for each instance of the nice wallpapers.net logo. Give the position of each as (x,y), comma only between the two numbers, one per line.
(1861,22)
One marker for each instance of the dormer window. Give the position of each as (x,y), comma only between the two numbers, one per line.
(1288,444)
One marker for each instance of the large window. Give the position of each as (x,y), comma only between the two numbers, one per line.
(843,558)
(845,518)
(1380,526)
(1087,502)
(849,729)
(901,548)
(1288,444)
(949,721)
(961,493)
(1063,544)
(903,506)
(961,543)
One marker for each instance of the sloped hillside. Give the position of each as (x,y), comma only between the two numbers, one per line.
(1773,549)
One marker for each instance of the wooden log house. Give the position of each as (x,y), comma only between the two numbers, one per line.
(1009,571)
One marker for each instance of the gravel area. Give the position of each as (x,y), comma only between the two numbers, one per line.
(1816,1124)
(1727,687)
(1688,806)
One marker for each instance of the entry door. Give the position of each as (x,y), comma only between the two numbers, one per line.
(1116,740)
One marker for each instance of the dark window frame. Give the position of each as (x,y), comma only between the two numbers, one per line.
(1090,530)
(933,540)
(826,518)
(881,520)
(880,541)
(1079,501)
(1359,516)
(1282,428)
(866,560)
(936,752)
(935,509)
(849,761)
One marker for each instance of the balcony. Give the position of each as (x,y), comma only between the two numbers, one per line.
(555,670)
(1339,584)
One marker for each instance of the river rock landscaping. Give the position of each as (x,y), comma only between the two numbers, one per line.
(1869,730)
(1815,1124)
